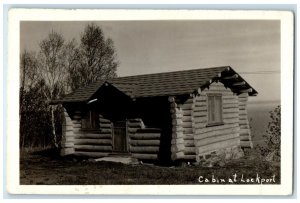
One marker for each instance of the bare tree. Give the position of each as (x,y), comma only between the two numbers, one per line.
(28,79)
(28,73)
(96,58)
(72,63)
(59,68)
(52,70)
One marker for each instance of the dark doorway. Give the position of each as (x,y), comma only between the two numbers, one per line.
(120,137)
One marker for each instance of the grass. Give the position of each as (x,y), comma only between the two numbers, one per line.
(48,168)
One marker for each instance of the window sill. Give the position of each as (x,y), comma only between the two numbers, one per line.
(90,129)
(214,124)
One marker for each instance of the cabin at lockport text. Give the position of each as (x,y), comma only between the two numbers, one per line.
(185,115)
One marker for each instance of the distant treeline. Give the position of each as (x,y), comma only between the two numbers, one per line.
(57,68)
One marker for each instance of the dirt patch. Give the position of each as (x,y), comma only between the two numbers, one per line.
(48,168)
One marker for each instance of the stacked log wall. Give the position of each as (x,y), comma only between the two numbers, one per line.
(94,143)
(188,129)
(91,143)
(245,134)
(144,143)
(67,140)
(177,142)
(211,139)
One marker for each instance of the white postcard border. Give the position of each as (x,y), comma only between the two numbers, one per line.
(287,40)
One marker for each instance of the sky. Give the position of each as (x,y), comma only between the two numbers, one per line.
(251,48)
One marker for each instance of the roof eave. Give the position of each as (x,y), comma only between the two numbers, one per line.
(233,79)
(56,102)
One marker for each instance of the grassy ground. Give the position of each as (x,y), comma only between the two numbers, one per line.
(47,168)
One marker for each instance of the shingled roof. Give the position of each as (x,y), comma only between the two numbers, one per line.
(162,84)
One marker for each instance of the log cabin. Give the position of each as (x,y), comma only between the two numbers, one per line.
(173,116)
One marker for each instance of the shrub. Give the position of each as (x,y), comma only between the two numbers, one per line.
(272,139)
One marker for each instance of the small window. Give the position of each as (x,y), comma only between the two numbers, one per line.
(90,120)
(215,109)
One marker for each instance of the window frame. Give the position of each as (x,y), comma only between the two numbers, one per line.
(210,122)
(91,120)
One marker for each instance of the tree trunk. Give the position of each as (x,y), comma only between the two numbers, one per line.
(53,127)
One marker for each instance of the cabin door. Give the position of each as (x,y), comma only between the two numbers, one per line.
(120,137)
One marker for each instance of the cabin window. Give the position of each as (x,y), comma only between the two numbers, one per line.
(90,120)
(215,109)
